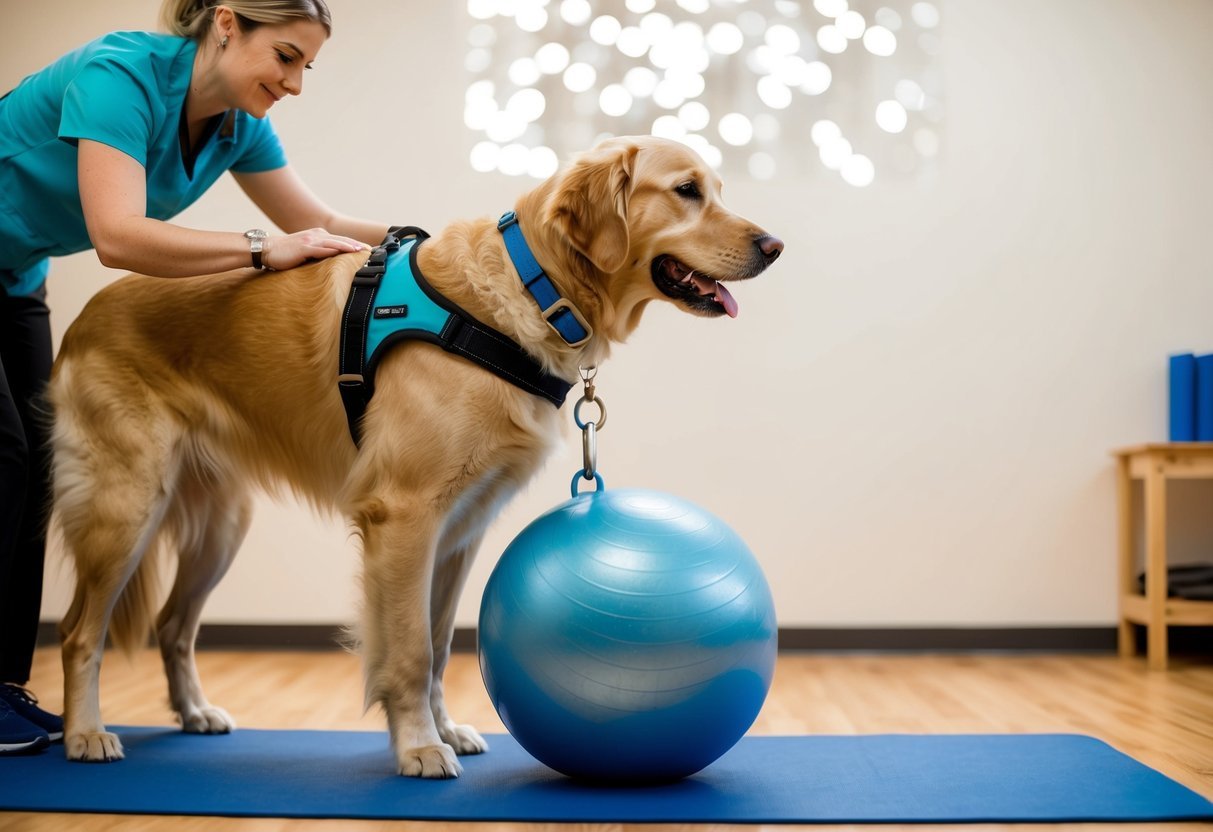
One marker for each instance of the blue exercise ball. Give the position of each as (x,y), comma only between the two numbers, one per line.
(627,635)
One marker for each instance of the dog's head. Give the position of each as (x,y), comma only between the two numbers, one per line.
(641,218)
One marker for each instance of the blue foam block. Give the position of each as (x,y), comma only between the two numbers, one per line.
(1181,388)
(1204,398)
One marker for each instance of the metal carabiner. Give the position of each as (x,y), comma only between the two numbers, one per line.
(589,450)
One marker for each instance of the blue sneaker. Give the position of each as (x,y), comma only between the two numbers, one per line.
(17,735)
(25,705)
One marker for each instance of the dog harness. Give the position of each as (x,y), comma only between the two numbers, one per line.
(391,301)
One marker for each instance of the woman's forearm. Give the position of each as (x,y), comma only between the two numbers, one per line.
(149,246)
(113,196)
(291,205)
(369,231)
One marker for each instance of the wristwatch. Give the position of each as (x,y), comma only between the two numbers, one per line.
(256,239)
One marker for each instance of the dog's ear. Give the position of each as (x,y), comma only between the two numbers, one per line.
(590,206)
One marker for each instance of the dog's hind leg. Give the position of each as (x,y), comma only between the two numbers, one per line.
(209,522)
(450,575)
(111,487)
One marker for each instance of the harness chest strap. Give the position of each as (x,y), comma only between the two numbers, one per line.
(390,301)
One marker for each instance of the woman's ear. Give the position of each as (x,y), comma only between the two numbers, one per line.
(223,22)
(590,206)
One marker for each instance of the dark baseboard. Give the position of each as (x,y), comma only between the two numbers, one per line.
(246,636)
(819,639)
(949,639)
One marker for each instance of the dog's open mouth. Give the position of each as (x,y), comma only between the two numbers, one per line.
(698,291)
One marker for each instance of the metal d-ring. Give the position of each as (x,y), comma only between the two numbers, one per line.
(602,413)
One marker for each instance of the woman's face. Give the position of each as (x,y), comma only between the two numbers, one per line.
(262,65)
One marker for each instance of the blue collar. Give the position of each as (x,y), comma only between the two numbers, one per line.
(559,313)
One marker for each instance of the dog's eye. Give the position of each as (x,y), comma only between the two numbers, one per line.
(690,190)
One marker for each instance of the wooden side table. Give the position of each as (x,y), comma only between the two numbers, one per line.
(1154,464)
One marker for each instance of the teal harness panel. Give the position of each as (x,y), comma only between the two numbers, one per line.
(402,308)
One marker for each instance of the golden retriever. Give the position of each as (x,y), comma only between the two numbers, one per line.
(174,398)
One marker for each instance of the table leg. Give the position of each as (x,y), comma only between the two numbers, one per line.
(1156,568)
(1126,641)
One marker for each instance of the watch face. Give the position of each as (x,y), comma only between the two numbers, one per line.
(255,234)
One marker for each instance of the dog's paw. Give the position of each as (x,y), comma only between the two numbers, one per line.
(432,761)
(208,720)
(93,747)
(464,739)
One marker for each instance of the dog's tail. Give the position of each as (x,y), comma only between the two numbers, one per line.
(131,624)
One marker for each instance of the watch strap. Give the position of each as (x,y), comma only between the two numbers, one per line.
(256,244)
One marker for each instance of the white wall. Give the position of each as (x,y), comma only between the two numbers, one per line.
(911,420)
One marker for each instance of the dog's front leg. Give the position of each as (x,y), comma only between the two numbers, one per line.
(399,539)
(450,575)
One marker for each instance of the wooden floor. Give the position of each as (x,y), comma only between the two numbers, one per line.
(1164,719)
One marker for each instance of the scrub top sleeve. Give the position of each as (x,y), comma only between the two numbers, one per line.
(262,150)
(108,102)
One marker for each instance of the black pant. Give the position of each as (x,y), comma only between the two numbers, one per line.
(25,369)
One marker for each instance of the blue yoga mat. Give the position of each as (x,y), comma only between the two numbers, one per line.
(838,779)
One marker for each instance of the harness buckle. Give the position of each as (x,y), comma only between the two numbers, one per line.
(566,304)
(507,219)
(372,270)
(350,378)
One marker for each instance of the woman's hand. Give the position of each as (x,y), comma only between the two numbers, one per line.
(290,250)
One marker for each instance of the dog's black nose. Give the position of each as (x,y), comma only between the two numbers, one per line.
(771,247)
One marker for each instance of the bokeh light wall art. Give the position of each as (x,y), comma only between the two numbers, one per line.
(775,88)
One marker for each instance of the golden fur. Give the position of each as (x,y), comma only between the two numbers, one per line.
(174,398)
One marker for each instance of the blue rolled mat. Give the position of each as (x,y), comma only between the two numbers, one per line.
(1043,778)
(1181,388)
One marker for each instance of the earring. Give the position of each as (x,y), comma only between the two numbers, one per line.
(223,43)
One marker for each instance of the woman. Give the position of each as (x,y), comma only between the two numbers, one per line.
(99,150)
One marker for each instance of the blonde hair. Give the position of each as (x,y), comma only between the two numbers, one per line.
(192,18)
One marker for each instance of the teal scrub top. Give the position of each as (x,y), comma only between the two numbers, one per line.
(126,90)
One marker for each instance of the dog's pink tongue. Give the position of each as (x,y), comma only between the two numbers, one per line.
(726,300)
(708,286)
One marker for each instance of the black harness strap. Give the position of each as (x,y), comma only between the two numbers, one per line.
(351,382)
(461,334)
(490,349)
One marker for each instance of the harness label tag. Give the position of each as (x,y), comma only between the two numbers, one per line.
(391,311)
